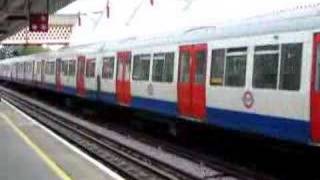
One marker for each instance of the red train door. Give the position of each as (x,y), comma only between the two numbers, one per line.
(123,91)
(58,75)
(315,90)
(80,75)
(191,82)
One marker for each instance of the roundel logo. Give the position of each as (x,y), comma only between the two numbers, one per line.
(248,99)
(150,89)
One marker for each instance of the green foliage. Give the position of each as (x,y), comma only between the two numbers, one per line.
(33,50)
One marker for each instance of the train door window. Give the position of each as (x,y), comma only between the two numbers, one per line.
(162,68)
(217,67)
(119,69)
(236,62)
(290,72)
(141,67)
(127,67)
(81,68)
(64,69)
(184,75)
(72,68)
(108,67)
(90,68)
(200,62)
(265,71)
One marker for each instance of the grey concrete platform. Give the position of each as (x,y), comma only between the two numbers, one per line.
(19,160)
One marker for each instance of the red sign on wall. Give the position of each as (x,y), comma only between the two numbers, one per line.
(38,22)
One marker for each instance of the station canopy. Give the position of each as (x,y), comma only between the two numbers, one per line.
(14,14)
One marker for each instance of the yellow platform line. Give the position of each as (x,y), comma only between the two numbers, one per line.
(50,163)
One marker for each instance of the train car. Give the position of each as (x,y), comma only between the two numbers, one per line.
(260,76)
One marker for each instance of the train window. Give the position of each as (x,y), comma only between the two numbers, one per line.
(47,70)
(72,67)
(50,68)
(90,69)
(162,69)
(25,67)
(108,67)
(217,67)
(141,67)
(64,67)
(265,71)
(290,72)
(127,69)
(30,68)
(38,67)
(236,62)
(200,67)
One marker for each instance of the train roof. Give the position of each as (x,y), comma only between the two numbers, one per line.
(298,19)
(302,18)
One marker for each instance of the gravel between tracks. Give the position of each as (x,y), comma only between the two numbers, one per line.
(199,170)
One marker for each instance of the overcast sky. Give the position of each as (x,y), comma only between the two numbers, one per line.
(163,16)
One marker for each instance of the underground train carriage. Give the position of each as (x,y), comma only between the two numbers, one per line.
(188,86)
(261,81)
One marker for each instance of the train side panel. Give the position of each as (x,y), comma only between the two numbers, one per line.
(268,110)
(106,69)
(150,91)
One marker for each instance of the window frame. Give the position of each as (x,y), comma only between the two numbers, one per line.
(105,58)
(211,67)
(152,64)
(266,52)
(75,67)
(50,68)
(280,51)
(65,62)
(300,69)
(133,66)
(38,67)
(230,52)
(88,73)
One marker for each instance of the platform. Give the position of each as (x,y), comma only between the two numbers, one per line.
(28,151)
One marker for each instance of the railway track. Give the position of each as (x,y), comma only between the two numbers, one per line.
(126,161)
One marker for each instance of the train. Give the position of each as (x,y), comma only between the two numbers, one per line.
(259,76)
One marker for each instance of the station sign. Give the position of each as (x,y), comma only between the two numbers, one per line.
(38,22)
